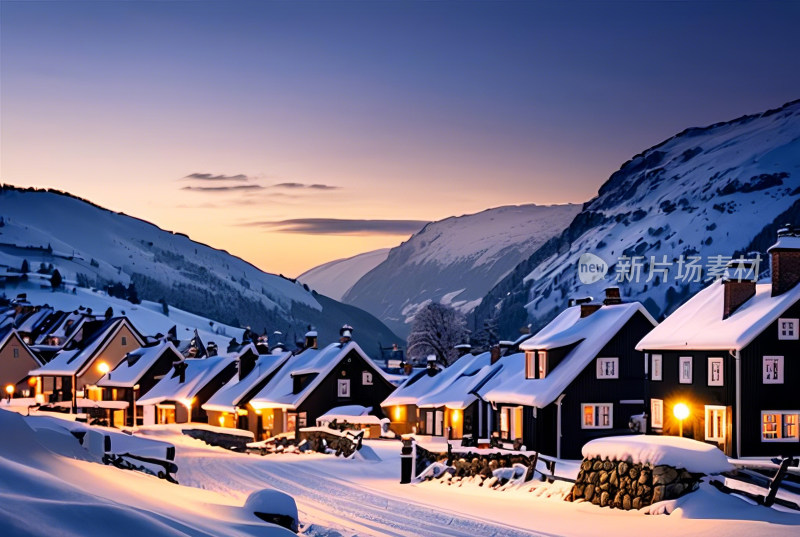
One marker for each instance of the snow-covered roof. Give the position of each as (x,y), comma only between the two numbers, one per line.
(589,334)
(786,242)
(33,320)
(414,387)
(9,333)
(698,324)
(130,370)
(507,368)
(199,372)
(351,414)
(73,361)
(454,385)
(278,393)
(230,396)
(674,451)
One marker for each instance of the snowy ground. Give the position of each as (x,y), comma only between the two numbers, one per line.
(44,489)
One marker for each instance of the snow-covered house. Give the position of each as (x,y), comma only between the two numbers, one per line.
(316,380)
(230,405)
(179,396)
(72,374)
(583,378)
(401,406)
(16,360)
(730,354)
(136,374)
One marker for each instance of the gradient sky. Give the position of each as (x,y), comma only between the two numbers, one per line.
(259,127)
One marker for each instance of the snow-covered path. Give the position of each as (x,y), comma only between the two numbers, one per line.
(335,506)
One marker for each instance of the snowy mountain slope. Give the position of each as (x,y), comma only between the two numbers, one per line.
(455,261)
(720,190)
(335,278)
(97,247)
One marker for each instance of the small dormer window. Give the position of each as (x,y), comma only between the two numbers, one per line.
(608,368)
(542,364)
(788,329)
(530,364)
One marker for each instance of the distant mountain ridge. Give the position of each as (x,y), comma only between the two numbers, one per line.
(336,278)
(97,247)
(723,190)
(455,261)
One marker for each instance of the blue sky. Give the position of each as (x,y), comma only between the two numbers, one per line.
(409,111)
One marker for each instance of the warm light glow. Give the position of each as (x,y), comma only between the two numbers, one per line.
(397,413)
(103,368)
(32,381)
(10,389)
(455,416)
(222,421)
(681,411)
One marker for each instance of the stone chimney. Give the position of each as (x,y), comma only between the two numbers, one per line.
(495,354)
(612,296)
(739,285)
(311,339)
(346,334)
(785,258)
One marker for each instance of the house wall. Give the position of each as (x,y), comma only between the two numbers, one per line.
(15,370)
(403,418)
(112,354)
(325,396)
(199,415)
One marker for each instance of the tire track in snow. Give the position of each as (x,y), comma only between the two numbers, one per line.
(337,504)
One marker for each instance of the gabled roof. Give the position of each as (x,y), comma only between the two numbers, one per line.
(414,387)
(588,334)
(74,361)
(453,386)
(698,324)
(8,333)
(234,392)
(199,372)
(136,363)
(33,320)
(317,363)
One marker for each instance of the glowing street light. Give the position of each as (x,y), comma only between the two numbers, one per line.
(103,368)
(10,391)
(681,411)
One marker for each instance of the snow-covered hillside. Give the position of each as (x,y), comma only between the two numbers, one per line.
(335,278)
(720,190)
(455,261)
(96,247)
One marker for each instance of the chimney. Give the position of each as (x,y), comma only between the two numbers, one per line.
(739,285)
(311,339)
(432,369)
(495,354)
(463,349)
(346,333)
(612,296)
(785,260)
(587,307)
(211,349)
(407,368)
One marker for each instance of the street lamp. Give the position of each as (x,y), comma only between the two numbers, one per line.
(681,411)
(10,391)
(103,368)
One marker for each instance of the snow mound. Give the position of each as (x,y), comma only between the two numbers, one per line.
(274,506)
(673,451)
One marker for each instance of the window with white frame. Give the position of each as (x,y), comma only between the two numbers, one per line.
(656,367)
(542,364)
(366,378)
(597,416)
(657,413)
(530,364)
(788,328)
(608,368)
(715,423)
(779,426)
(715,372)
(773,369)
(343,388)
(685,369)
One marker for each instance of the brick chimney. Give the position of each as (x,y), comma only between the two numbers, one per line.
(495,354)
(785,257)
(740,285)
(587,307)
(311,339)
(612,296)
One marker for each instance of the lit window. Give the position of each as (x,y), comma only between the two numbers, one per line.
(505,418)
(773,369)
(530,364)
(685,370)
(597,416)
(715,423)
(656,358)
(715,372)
(788,328)
(366,378)
(344,388)
(779,426)
(607,368)
(656,413)
(542,364)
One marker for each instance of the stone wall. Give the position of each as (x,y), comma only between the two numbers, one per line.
(627,485)
(470,464)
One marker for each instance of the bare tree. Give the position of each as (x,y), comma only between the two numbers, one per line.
(436,330)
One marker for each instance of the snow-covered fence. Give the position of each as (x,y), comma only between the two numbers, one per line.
(764,483)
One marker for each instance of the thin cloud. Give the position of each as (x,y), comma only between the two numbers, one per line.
(220,177)
(229,188)
(315,186)
(335,226)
